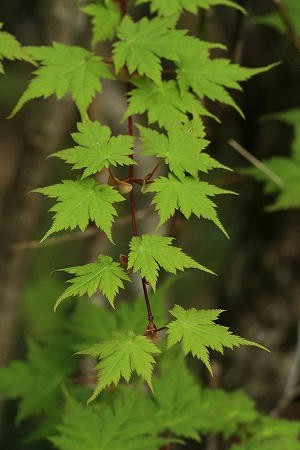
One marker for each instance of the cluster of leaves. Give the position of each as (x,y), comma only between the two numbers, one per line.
(286,169)
(129,417)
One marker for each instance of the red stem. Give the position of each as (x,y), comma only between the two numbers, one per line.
(132,199)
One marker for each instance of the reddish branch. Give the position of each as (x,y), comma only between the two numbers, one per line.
(151,324)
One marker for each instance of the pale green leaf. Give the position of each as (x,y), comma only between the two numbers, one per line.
(105,275)
(97,149)
(105,20)
(169,7)
(120,356)
(11,49)
(65,69)
(198,332)
(273,19)
(149,252)
(181,150)
(141,45)
(80,201)
(163,103)
(188,195)
(211,77)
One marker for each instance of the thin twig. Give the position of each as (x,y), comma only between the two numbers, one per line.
(288,23)
(256,162)
(67,237)
(291,389)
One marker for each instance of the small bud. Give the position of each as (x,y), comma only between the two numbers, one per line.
(124,261)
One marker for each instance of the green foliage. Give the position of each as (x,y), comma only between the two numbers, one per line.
(169,7)
(286,169)
(149,252)
(271,434)
(124,422)
(104,274)
(163,103)
(181,149)
(96,149)
(143,43)
(133,418)
(189,195)
(65,69)
(37,382)
(210,77)
(120,356)
(80,201)
(198,332)
(11,49)
(105,19)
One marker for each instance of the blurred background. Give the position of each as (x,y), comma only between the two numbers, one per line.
(258,283)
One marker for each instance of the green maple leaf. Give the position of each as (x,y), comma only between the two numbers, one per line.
(80,201)
(198,332)
(178,398)
(164,103)
(169,7)
(143,43)
(105,20)
(181,150)
(210,77)
(105,275)
(120,356)
(11,49)
(65,69)
(188,195)
(149,252)
(96,149)
(36,382)
(123,422)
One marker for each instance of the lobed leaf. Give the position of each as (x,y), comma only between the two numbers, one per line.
(80,201)
(96,149)
(149,252)
(198,332)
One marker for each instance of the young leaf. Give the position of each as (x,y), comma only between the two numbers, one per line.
(37,382)
(80,201)
(11,49)
(188,195)
(120,356)
(198,333)
(169,7)
(143,43)
(104,274)
(106,19)
(96,149)
(163,103)
(123,422)
(65,69)
(149,252)
(210,77)
(181,150)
